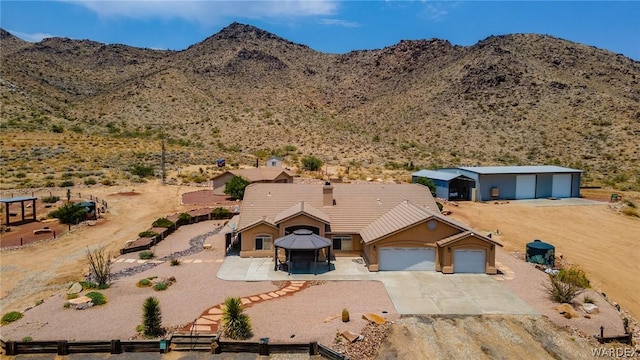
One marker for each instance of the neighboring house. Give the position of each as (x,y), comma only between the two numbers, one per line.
(274,161)
(393,226)
(253,175)
(504,182)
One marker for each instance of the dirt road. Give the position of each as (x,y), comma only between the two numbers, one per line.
(602,242)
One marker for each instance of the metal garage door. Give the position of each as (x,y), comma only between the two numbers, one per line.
(561,186)
(413,259)
(525,187)
(469,261)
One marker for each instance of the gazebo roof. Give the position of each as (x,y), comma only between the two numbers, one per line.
(302,239)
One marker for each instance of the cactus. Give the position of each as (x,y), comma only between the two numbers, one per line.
(345,315)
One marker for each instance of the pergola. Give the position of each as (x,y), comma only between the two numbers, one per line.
(304,241)
(21,200)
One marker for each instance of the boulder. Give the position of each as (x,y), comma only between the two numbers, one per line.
(76,288)
(81,303)
(374,318)
(590,308)
(567,310)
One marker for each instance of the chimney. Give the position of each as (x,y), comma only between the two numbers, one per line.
(327,194)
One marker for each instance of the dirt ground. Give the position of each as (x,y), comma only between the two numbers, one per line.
(595,237)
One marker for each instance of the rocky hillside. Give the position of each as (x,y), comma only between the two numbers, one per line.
(244,93)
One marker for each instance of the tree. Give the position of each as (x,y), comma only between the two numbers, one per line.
(311,163)
(235,187)
(99,267)
(70,213)
(237,324)
(151,317)
(428,183)
(142,171)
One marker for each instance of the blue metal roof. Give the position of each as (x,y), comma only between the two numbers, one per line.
(548,169)
(436,175)
(18,199)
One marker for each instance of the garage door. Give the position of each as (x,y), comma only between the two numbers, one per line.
(525,187)
(412,259)
(469,261)
(561,186)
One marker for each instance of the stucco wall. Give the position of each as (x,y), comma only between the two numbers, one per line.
(302,220)
(248,243)
(471,242)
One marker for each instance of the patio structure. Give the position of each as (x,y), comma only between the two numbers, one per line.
(21,200)
(299,246)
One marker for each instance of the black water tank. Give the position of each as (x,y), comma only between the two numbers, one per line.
(540,252)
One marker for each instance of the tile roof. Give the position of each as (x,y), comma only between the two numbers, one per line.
(300,208)
(258,174)
(356,205)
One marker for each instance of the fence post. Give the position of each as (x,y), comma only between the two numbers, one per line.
(116,347)
(313,348)
(263,348)
(12,348)
(63,347)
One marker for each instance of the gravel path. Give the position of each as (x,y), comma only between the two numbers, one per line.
(198,288)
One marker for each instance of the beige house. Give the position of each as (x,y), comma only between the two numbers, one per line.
(253,175)
(393,226)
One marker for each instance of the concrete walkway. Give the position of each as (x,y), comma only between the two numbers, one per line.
(412,292)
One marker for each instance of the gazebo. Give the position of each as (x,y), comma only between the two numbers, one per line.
(302,242)
(21,200)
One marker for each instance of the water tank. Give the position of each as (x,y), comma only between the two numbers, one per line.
(540,252)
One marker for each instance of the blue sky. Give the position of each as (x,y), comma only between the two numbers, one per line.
(328,26)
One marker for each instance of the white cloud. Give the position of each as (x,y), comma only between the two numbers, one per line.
(338,22)
(435,11)
(34,37)
(207,12)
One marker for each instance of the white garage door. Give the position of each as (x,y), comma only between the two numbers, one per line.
(525,187)
(561,186)
(469,261)
(412,259)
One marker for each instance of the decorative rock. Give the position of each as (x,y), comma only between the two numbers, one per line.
(80,300)
(567,310)
(374,318)
(590,308)
(76,288)
(350,336)
(84,306)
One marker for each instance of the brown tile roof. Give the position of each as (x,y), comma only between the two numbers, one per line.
(257,174)
(300,208)
(463,235)
(356,205)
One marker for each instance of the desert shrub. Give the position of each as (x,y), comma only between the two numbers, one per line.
(27,339)
(145,255)
(90,181)
(588,300)
(175,262)
(144,283)
(106,182)
(629,211)
(142,171)
(90,285)
(311,163)
(66,305)
(220,213)
(50,199)
(562,292)
(69,213)
(160,286)
(72,296)
(630,203)
(99,266)
(345,315)
(39,302)
(185,217)
(66,183)
(574,275)
(97,298)
(428,183)
(11,317)
(237,324)
(151,317)
(147,233)
(162,222)
(235,187)
(440,206)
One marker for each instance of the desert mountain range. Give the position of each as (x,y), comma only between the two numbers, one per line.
(244,93)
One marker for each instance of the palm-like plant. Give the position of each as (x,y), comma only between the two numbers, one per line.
(237,324)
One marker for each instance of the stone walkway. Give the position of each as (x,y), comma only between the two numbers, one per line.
(209,320)
(504,272)
(182,261)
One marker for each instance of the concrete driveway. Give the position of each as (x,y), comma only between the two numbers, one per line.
(412,292)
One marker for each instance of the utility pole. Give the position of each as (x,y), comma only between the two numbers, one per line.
(162,153)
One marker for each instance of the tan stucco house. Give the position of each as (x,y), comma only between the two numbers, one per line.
(392,226)
(253,175)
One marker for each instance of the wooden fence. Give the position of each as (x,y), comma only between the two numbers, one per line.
(63,347)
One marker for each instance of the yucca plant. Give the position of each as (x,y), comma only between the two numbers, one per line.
(237,324)
(151,317)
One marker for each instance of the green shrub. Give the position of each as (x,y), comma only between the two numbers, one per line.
(106,182)
(148,233)
(66,183)
(69,213)
(588,300)
(142,171)
(151,317)
(185,217)
(66,305)
(144,283)
(11,317)
(90,285)
(163,223)
(90,181)
(575,276)
(39,302)
(160,286)
(311,163)
(237,324)
(440,206)
(140,328)
(220,213)
(27,339)
(71,296)
(50,199)
(235,187)
(57,128)
(97,298)
(175,262)
(561,291)
(145,255)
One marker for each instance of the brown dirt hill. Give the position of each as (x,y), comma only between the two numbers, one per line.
(244,92)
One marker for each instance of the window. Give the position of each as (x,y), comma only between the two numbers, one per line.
(263,242)
(342,242)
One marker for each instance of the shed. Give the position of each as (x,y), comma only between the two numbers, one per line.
(449,185)
(521,182)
